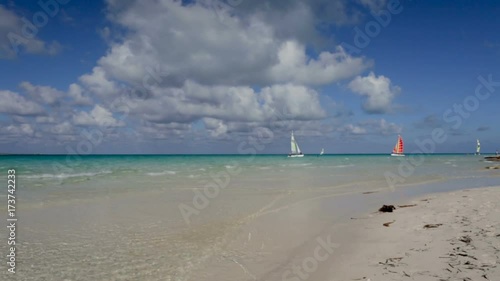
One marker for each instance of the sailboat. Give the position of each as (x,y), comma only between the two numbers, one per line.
(322,151)
(398,148)
(478,148)
(295,148)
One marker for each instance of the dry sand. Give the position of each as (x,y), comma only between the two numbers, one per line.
(462,242)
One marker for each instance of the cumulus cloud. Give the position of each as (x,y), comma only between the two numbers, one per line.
(76,93)
(294,65)
(193,102)
(98,116)
(191,43)
(208,77)
(13,41)
(15,104)
(372,127)
(354,129)
(98,83)
(21,130)
(43,94)
(377,91)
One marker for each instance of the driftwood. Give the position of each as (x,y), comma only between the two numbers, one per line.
(433,225)
(387,209)
(492,158)
(493,168)
(406,206)
(388,223)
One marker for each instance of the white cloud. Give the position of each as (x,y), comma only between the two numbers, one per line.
(64,128)
(294,65)
(191,43)
(291,102)
(194,101)
(13,41)
(44,94)
(76,93)
(98,116)
(354,130)
(216,127)
(98,83)
(21,130)
(13,103)
(378,92)
(372,127)
(45,119)
(205,78)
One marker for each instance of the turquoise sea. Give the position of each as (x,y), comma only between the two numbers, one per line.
(46,172)
(204,217)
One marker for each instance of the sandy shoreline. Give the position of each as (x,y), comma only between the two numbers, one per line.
(461,240)
(307,235)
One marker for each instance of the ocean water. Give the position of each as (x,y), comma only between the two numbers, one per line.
(202,217)
(39,175)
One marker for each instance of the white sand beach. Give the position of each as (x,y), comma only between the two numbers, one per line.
(446,236)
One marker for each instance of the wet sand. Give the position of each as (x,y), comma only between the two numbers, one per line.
(275,234)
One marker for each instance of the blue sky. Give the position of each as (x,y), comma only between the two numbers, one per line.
(219,78)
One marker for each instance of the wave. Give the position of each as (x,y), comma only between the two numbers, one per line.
(297,165)
(343,166)
(154,174)
(65,176)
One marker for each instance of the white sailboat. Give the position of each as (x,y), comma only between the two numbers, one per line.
(478,148)
(322,151)
(398,148)
(295,148)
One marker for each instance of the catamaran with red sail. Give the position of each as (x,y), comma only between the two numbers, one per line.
(398,148)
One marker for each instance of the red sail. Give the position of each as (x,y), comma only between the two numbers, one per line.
(399,147)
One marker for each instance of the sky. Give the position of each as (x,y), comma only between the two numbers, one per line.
(238,76)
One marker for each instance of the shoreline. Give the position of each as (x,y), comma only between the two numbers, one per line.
(441,236)
(264,235)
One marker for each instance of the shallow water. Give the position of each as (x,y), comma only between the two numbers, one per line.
(201,217)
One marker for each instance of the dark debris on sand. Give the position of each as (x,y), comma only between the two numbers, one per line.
(387,209)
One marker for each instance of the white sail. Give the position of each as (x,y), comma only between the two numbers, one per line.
(322,151)
(294,146)
(295,149)
(298,148)
(478,149)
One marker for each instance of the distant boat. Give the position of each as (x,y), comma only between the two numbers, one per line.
(322,151)
(478,148)
(398,148)
(295,148)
